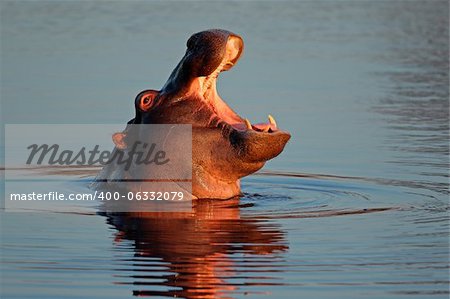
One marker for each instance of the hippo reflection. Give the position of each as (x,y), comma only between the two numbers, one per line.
(194,255)
(225,146)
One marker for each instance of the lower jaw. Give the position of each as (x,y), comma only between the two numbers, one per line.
(233,119)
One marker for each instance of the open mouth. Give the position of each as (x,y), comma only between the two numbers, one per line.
(222,110)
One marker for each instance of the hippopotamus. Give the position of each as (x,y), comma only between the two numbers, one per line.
(225,146)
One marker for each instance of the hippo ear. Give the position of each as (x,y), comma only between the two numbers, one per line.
(119,140)
(144,101)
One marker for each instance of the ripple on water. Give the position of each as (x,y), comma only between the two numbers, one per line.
(242,246)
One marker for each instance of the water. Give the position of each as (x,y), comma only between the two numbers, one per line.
(355,207)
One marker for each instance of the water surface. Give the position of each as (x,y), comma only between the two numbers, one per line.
(355,207)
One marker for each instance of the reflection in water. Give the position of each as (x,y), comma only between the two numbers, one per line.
(198,248)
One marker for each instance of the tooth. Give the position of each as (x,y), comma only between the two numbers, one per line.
(272,121)
(266,129)
(248,124)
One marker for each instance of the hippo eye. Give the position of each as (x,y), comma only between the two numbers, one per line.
(145,103)
(144,100)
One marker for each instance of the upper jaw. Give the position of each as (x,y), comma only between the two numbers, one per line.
(208,92)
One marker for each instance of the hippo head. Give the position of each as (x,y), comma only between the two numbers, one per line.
(225,146)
